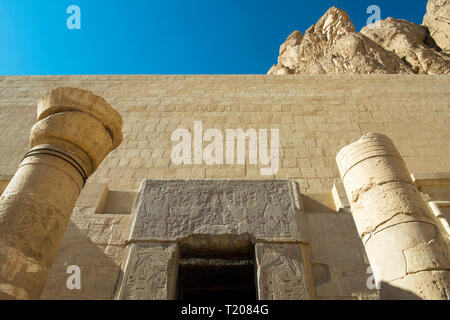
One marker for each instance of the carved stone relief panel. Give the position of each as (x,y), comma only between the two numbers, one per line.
(211,215)
(172,210)
(150,272)
(280,272)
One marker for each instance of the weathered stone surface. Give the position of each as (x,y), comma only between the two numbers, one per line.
(406,248)
(411,43)
(400,237)
(278,69)
(80,130)
(150,272)
(321,273)
(36,205)
(401,203)
(333,46)
(96,282)
(288,50)
(418,286)
(173,210)
(66,99)
(437,19)
(280,272)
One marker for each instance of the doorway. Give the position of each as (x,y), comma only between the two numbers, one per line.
(217,278)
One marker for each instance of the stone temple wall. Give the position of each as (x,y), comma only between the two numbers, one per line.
(316,117)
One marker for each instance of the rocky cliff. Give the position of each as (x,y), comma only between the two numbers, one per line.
(332,45)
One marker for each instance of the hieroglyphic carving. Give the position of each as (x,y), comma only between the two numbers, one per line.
(174,209)
(280,272)
(36,233)
(150,272)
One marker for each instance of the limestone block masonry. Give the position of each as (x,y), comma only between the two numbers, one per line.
(317,115)
(406,250)
(74,133)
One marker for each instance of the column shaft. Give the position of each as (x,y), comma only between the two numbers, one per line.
(34,210)
(406,251)
(74,133)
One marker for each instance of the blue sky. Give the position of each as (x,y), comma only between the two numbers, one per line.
(165,36)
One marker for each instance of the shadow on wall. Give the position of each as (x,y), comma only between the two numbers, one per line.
(390,292)
(98,272)
(324,203)
(339,266)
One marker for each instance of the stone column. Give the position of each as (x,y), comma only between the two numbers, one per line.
(74,133)
(406,251)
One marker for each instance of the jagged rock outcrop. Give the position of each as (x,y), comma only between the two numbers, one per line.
(332,46)
(412,43)
(289,52)
(437,19)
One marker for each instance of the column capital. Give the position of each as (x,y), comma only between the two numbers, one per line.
(79,122)
(368,146)
(74,99)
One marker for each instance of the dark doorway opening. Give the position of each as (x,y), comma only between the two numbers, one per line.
(217,278)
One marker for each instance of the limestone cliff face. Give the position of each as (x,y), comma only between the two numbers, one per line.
(437,19)
(412,43)
(332,46)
